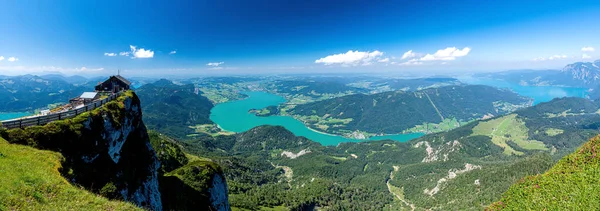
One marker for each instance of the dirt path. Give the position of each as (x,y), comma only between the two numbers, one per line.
(288,173)
(389,186)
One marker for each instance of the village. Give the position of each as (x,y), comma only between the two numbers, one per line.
(103,93)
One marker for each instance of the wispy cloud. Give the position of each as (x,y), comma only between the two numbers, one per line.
(351,58)
(384,60)
(82,69)
(585,56)
(215,64)
(448,54)
(408,55)
(110,54)
(172,52)
(553,57)
(141,53)
(411,62)
(13,59)
(1,58)
(124,53)
(588,49)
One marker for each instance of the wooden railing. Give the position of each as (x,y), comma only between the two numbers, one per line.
(42,120)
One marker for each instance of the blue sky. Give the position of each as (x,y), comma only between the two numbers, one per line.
(214,37)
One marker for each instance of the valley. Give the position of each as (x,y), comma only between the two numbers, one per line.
(358,149)
(299,105)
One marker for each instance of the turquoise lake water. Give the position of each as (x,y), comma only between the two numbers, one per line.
(13,115)
(233,116)
(537,93)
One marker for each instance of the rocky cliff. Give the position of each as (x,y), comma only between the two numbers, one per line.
(186,181)
(108,151)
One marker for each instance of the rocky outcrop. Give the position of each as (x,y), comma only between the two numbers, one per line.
(218,193)
(199,185)
(109,151)
(188,183)
(106,150)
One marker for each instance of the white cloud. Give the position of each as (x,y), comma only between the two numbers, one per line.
(585,56)
(384,60)
(110,54)
(351,58)
(141,53)
(588,49)
(557,57)
(172,52)
(448,54)
(411,62)
(82,69)
(215,64)
(554,57)
(1,58)
(124,53)
(409,54)
(12,59)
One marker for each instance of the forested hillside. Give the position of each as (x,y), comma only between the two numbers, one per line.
(395,112)
(171,109)
(465,168)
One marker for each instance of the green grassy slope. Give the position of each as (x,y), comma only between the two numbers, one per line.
(31,181)
(572,184)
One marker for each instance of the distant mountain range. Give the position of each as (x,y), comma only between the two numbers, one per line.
(586,72)
(579,74)
(29,92)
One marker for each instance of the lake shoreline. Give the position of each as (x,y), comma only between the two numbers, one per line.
(234,116)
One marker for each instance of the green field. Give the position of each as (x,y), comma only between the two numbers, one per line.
(446,125)
(210,129)
(505,129)
(31,181)
(554,131)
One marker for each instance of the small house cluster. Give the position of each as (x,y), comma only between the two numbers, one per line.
(113,84)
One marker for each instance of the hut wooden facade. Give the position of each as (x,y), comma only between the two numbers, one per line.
(115,83)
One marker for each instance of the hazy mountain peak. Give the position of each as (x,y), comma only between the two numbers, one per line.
(588,72)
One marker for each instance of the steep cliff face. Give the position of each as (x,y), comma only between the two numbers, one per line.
(106,151)
(218,193)
(192,183)
(110,152)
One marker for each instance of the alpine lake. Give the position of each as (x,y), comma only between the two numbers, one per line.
(234,116)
